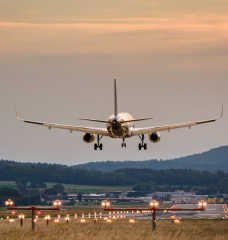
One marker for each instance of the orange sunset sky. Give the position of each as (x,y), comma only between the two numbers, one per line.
(58,60)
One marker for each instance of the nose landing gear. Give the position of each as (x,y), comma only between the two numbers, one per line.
(98,144)
(142,145)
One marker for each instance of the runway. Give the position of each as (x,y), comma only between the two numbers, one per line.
(212,211)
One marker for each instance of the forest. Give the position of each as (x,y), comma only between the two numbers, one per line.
(214,182)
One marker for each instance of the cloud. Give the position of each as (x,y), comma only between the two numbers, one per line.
(187,35)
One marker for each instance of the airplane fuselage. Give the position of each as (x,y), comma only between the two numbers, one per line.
(120,130)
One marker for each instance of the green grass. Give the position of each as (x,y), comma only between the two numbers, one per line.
(10,184)
(81,188)
(91,188)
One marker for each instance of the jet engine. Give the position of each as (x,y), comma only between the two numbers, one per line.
(155,137)
(88,138)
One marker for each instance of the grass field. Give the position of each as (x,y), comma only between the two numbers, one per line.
(74,188)
(11,184)
(118,229)
(90,189)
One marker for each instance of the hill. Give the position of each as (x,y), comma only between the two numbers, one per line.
(212,160)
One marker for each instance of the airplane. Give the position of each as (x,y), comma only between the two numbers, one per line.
(119,125)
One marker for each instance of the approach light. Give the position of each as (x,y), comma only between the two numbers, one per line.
(57,203)
(67,218)
(21,216)
(154,204)
(202,204)
(9,202)
(105,204)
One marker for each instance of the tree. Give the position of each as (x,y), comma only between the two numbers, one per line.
(58,187)
(13,194)
(37,184)
(25,201)
(34,191)
(79,197)
(35,200)
(50,191)
(21,187)
(141,186)
(22,180)
(167,198)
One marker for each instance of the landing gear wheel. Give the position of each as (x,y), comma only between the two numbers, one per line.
(98,145)
(123,144)
(140,146)
(145,146)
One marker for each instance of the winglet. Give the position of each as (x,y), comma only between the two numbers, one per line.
(16,112)
(222,112)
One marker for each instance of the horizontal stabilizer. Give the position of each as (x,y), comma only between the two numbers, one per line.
(135,120)
(94,120)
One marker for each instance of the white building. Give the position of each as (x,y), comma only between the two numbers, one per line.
(174,194)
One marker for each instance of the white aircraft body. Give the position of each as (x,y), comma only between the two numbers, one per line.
(119,125)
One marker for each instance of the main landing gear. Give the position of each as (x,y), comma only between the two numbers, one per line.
(142,145)
(98,144)
(123,144)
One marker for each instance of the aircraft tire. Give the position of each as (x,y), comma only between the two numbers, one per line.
(101,146)
(140,146)
(145,146)
(95,146)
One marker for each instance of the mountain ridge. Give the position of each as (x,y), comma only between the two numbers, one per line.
(211,160)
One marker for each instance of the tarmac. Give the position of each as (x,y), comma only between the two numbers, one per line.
(212,211)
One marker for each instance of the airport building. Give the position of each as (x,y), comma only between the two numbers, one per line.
(175,193)
(212,199)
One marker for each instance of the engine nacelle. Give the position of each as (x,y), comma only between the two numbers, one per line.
(88,137)
(155,137)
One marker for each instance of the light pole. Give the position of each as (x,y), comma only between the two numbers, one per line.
(21,217)
(154,204)
(32,209)
(48,218)
(67,218)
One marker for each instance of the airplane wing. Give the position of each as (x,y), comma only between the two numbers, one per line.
(140,131)
(98,131)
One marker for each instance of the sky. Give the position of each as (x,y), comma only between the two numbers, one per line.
(58,60)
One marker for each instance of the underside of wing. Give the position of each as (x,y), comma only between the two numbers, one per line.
(98,131)
(139,131)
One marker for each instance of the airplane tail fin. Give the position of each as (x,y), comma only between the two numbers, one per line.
(115,99)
